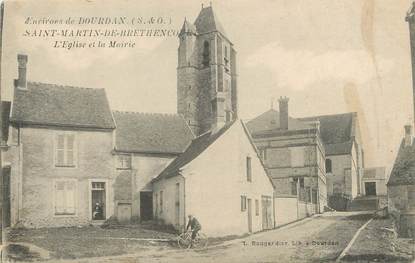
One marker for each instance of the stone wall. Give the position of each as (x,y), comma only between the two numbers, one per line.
(34,206)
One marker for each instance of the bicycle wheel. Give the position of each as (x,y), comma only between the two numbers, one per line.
(202,240)
(183,240)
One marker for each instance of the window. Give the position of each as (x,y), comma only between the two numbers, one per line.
(263,153)
(243,203)
(65,197)
(411,196)
(156,198)
(213,105)
(308,194)
(228,116)
(257,207)
(314,196)
(124,162)
(294,186)
(297,156)
(248,169)
(301,182)
(328,166)
(206,54)
(65,150)
(226,56)
(161,202)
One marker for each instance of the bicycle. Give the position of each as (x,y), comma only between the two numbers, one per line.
(184,240)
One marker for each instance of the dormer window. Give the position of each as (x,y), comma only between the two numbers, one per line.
(206,54)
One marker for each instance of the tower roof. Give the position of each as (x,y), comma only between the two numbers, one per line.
(187,28)
(410,13)
(208,22)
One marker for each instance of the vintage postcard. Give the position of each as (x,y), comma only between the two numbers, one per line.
(207,131)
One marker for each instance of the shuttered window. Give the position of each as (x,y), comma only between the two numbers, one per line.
(65,197)
(65,150)
(248,169)
(243,203)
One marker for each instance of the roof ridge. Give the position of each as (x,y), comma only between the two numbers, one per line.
(52,85)
(327,115)
(147,113)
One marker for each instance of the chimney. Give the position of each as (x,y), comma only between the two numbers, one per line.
(283,103)
(316,125)
(21,79)
(408,135)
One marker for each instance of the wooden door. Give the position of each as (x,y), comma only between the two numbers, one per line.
(177,205)
(250,215)
(124,212)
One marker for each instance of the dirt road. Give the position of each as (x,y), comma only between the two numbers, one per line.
(320,239)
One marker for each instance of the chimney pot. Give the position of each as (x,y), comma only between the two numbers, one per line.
(283,106)
(408,135)
(21,79)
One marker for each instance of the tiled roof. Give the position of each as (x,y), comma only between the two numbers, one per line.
(188,28)
(5,116)
(197,146)
(338,148)
(151,133)
(337,128)
(336,131)
(270,120)
(49,104)
(403,171)
(207,22)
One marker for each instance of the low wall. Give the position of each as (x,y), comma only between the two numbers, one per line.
(285,209)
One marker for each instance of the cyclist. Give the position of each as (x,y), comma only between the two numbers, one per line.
(194,226)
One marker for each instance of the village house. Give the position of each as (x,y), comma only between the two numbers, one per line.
(401,183)
(374,182)
(59,153)
(342,150)
(145,143)
(401,186)
(293,154)
(230,196)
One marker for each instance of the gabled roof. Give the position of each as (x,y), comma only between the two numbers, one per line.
(270,120)
(151,133)
(187,28)
(208,22)
(49,104)
(337,128)
(337,131)
(403,171)
(197,146)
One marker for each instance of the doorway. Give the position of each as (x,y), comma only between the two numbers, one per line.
(146,206)
(370,188)
(266,212)
(249,215)
(6,197)
(177,204)
(98,200)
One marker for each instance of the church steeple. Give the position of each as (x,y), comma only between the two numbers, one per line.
(206,73)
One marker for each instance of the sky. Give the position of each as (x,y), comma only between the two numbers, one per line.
(327,56)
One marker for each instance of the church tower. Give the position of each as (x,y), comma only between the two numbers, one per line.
(206,74)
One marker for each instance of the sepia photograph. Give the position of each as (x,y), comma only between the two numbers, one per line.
(207,131)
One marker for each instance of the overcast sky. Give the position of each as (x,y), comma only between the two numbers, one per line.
(327,56)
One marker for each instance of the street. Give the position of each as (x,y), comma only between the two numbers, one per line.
(318,239)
